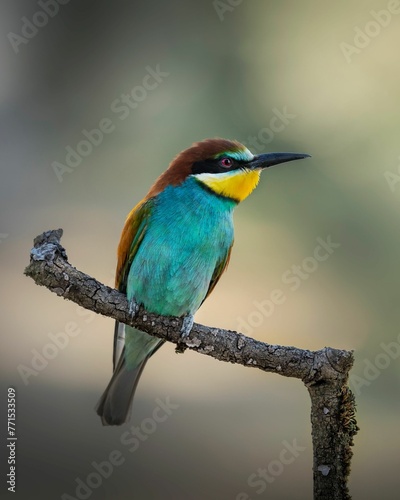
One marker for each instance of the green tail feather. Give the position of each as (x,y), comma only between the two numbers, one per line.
(115,403)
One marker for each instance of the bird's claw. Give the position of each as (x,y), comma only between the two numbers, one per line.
(187,325)
(133,308)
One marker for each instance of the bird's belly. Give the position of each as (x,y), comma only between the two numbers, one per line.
(171,275)
(167,284)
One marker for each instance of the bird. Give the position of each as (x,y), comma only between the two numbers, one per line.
(175,245)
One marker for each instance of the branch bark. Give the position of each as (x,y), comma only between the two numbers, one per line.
(324,372)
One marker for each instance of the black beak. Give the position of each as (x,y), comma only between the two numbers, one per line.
(271,159)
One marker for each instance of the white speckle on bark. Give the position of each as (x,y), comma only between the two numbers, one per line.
(43,252)
(324,469)
(195,342)
(206,349)
(326,411)
(241,343)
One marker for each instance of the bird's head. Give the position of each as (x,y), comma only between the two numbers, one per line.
(227,168)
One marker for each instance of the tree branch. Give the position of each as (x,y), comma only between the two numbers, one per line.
(324,372)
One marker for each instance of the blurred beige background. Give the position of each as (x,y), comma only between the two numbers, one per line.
(331,72)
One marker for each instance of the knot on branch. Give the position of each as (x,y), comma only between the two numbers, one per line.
(329,365)
(47,246)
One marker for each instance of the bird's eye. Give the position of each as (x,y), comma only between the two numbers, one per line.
(226,162)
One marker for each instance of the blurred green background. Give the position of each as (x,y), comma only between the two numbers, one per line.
(333,70)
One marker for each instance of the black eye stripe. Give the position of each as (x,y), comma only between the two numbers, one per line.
(213,166)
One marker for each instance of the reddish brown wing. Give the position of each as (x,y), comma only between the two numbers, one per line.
(131,238)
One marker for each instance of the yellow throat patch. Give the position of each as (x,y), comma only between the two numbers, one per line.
(237,184)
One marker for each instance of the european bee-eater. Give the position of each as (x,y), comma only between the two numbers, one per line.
(174,247)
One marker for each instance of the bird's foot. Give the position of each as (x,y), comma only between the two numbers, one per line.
(187,325)
(133,308)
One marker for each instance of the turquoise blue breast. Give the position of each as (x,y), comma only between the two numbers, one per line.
(189,232)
